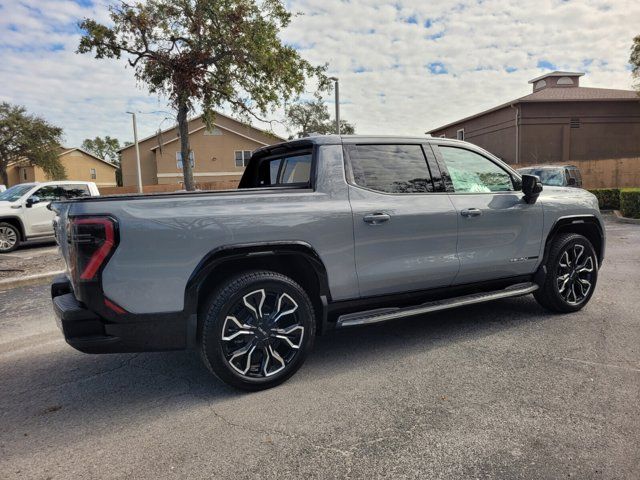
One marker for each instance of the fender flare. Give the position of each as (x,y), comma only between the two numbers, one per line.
(228,253)
(23,232)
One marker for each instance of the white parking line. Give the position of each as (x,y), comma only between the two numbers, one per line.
(598,364)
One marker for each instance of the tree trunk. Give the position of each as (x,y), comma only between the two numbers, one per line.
(183,128)
(4,176)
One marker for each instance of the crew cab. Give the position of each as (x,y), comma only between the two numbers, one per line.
(323,233)
(23,209)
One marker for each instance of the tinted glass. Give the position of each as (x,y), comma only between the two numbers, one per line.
(472,173)
(49,193)
(390,168)
(296,169)
(75,191)
(548,176)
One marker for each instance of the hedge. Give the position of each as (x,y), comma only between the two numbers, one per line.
(630,202)
(608,198)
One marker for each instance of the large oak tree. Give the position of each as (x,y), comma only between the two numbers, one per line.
(205,53)
(27,139)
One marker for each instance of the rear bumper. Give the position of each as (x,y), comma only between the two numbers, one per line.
(88,332)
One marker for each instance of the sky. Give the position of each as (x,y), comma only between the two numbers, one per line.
(404,67)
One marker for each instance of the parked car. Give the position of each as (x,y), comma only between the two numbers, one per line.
(554,175)
(23,209)
(324,232)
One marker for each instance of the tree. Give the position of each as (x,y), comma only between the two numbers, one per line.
(313,117)
(634,60)
(209,53)
(28,140)
(108,149)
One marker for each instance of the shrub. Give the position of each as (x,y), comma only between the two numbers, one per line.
(608,198)
(630,202)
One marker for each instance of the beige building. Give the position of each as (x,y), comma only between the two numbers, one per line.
(218,155)
(78,165)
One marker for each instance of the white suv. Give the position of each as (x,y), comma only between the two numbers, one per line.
(23,209)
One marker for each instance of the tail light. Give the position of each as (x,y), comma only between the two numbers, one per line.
(92,242)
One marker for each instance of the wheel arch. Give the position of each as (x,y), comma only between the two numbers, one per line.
(297,260)
(16,222)
(586,225)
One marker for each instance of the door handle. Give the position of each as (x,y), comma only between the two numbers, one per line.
(471,212)
(376,218)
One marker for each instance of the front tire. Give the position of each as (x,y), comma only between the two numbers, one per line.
(9,237)
(572,274)
(257,330)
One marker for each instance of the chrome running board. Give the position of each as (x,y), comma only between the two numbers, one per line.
(385,314)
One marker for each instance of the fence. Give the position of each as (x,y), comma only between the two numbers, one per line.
(608,173)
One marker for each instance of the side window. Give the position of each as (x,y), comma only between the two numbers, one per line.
(296,169)
(470,172)
(49,193)
(390,168)
(75,191)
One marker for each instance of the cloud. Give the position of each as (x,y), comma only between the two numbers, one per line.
(404,67)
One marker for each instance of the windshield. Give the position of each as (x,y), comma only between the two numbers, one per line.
(548,176)
(14,193)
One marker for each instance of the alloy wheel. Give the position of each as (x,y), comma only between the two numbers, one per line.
(262,333)
(574,278)
(8,238)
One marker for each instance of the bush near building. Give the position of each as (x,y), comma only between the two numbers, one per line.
(608,198)
(630,202)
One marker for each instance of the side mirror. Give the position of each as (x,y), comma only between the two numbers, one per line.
(571,182)
(531,187)
(32,200)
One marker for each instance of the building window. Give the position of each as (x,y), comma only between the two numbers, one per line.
(192,160)
(93,174)
(242,157)
(540,84)
(460,134)
(564,81)
(24,173)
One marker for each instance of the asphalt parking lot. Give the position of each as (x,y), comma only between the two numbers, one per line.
(502,390)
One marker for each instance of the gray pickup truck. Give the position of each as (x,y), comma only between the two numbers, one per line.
(323,232)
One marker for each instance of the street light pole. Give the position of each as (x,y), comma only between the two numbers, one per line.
(135,141)
(337,95)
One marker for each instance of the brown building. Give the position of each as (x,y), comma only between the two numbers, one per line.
(597,129)
(219,154)
(78,165)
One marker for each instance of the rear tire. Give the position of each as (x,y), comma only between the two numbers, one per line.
(257,330)
(9,237)
(572,274)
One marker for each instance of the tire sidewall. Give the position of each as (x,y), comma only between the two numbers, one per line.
(18,237)
(218,308)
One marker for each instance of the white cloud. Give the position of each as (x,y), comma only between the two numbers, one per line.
(404,67)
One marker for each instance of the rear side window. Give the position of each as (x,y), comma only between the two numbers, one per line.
(287,170)
(390,168)
(75,191)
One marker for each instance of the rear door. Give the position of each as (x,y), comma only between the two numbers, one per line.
(405,226)
(499,234)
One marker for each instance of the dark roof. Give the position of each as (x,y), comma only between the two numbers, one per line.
(559,94)
(557,73)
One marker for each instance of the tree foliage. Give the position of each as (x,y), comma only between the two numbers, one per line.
(313,117)
(634,60)
(28,140)
(106,148)
(207,53)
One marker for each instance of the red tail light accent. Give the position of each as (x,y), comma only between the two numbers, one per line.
(93,241)
(114,307)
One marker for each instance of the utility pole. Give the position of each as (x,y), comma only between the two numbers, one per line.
(337,95)
(135,141)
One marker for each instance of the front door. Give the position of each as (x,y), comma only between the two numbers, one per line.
(405,232)
(500,234)
(39,219)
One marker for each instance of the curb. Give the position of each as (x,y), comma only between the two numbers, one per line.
(617,216)
(38,279)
